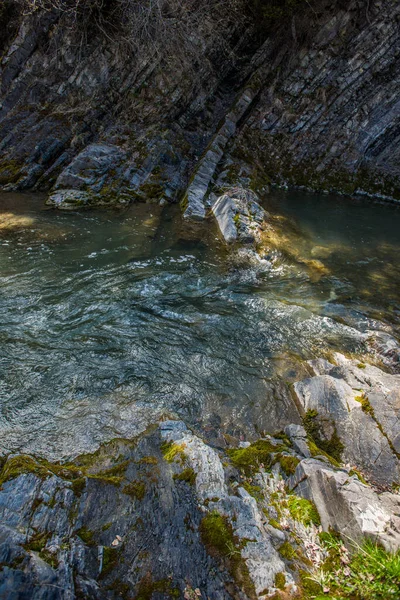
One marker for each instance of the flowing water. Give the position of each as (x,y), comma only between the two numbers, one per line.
(110,320)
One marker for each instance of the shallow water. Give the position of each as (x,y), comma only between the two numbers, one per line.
(110,320)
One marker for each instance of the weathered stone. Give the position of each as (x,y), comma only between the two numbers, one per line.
(347,505)
(298,436)
(239,216)
(364,444)
(68,199)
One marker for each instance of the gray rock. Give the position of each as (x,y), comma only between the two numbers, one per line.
(68,199)
(239,216)
(347,505)
(91,168)
(365,445)
(298,436)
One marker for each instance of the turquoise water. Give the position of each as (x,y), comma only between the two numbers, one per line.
(111,320)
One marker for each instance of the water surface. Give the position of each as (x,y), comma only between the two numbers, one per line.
(110,320)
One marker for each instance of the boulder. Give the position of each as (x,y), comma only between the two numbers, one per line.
(364,444)
(239,216)
(347,505)
(68,199)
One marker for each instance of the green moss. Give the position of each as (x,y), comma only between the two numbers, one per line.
(78,485)
(86,536)
(281,435)
(110,560)
(357,473)
(135,489)
(218,538)
(37,542)
(172,452)
(111,480)
(274,523)
(361,366)
(303,510)
(10,172)
(50,558)
(280,581)
(147,587)
(152,191)
(106,526)
(188,475)
(287,551)
(333,447)
(253,490)
(120,588)
(365,405)
(148,460)
(250,459)
(288,464)
(19,465)
(310,588)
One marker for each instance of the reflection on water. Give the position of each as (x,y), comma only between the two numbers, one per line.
(110,320)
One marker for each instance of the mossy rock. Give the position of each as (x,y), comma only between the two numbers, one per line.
(188,475)
(135,489)
(251,459)
(332,447)
(218,537)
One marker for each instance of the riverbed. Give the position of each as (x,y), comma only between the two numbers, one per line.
(111,320)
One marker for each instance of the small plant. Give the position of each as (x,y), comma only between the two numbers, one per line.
(303,510)
(369,573)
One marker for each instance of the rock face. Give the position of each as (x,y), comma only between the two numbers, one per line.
(362,402)
(168,515)
(345,504)
(313,104)
(239,216)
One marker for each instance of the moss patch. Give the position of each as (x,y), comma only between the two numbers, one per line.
(257,455)
(280,581)
(147,587)
(333,447)
(86,536)
(188,475)
(303,510)
(288,464)
(110,560)
(218,538)
(287,551)
(37,542)
(172,452)
(135,489)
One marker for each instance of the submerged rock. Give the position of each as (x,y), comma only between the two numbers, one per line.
(239,216)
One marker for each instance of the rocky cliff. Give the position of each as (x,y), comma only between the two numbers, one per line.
(305,97)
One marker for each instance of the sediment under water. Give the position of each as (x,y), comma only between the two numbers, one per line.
(110,320)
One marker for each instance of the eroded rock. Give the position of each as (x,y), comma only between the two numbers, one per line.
(239,216)
(362,404)
(348,506)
